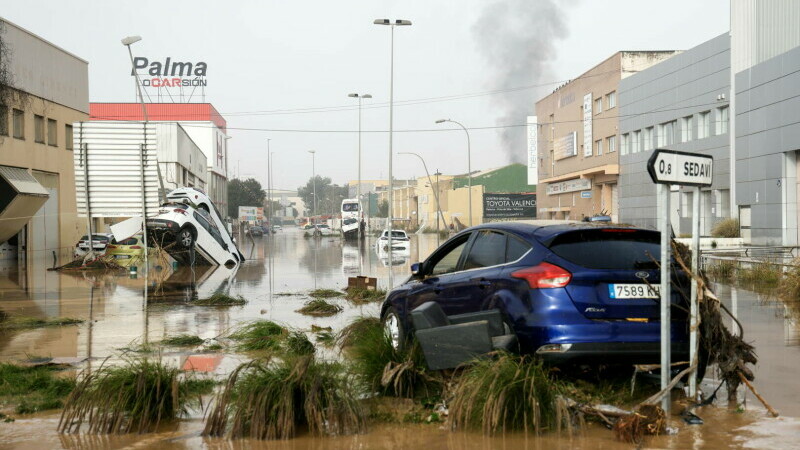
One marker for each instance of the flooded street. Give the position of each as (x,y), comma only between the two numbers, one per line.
(122,311)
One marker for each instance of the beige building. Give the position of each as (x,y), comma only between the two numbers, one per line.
(49,92)
(578,140)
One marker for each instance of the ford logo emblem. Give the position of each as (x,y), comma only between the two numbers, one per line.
(642,275)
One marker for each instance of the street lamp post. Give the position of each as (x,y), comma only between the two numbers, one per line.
(314,183)
(435,191)
(469,164)
(391,25)
(127,42)
(269,184)
(358,188)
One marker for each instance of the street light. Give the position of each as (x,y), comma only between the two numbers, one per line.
(469,164)
(269,183)
(358,188)
(391,25)
(127,42)
(435,192)
(314,182)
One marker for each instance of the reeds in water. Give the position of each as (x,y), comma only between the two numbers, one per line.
(273,399)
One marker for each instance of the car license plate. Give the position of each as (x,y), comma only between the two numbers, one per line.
(617,291)
(122,256)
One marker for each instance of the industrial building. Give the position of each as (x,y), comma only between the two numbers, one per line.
(576,140)
(201,122)
(681,104)
(47,93)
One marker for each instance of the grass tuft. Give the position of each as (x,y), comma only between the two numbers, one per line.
(33,389)
(272,399)
(220,299)
(727,228)
(297,343)
(319,308)
(360,296)
(259,335)
(505,394)
(763,273)
(134,397)
(789,286)
(325,293)
(721,271)
(21,323)
(355,331)
(326,338)
(380,368)
(182,340)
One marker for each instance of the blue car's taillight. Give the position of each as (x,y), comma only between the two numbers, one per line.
(545,275)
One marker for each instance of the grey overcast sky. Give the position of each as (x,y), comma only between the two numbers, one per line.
(287,55)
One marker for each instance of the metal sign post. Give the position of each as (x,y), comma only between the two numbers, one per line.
(667,168)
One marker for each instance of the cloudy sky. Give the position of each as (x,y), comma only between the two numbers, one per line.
(276,65)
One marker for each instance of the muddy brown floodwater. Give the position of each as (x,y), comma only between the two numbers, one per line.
(121,311)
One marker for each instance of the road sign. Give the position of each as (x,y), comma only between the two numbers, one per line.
(680,168)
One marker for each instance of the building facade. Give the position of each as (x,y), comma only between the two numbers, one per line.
(49,92)
(578,140)
(204,125)
(680,104)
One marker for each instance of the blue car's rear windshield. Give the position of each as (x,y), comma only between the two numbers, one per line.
(604,248)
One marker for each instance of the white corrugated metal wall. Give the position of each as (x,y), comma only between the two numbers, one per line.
(111,150)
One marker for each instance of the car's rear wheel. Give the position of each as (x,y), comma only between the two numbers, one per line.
(393,328)
(186,237)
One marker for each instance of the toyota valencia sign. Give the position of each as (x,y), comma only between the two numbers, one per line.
(509,206)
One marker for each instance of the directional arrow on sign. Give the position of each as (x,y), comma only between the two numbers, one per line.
(680,168)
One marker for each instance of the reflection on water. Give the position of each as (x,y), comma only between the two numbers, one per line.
(120,310)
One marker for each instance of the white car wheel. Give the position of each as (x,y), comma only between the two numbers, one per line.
(186,238)
(393,330)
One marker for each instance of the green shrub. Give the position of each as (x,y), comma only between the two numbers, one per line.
(220,299)
(182,340)
(319,308)
(259,335)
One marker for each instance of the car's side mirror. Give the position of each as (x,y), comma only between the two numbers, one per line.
(417,269)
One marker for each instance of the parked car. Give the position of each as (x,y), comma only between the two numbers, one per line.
(276,228)
(198,199)
(179,228)
(323,230)
(99,243)
(256,231)
(572,293)
(128,251)
(400,240)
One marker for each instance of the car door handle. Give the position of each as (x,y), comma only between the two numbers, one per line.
(481,282)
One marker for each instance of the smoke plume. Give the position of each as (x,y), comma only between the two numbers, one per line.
(518,39)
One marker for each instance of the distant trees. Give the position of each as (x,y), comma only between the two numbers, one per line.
(383,209)
(244,193)
(329,196)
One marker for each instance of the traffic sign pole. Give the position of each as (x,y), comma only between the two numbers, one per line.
(668,168)
(693,322)
(666,338)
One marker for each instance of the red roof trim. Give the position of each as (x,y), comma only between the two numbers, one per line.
(171,112)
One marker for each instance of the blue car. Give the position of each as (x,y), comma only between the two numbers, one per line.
(577,293)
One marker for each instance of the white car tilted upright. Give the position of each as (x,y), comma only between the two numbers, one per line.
(188,224)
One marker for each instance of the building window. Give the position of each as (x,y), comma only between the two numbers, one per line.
(611,142)
(68,136)
(19,124)
(666,134)
(636,142)
(38,129)
(598,105)
(648,138)
(52,132)
(703,125)
(687,134)
(611,99)
(598,147)
(3,120)
(722,120)
(624,144)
